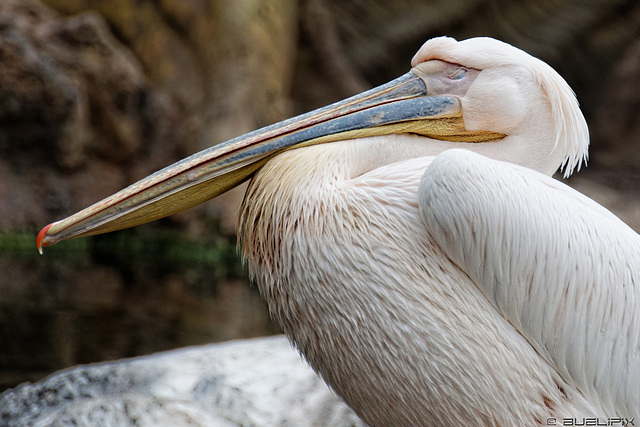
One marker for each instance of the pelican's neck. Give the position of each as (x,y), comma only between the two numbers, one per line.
(303,197)
(532,144)
(286,181)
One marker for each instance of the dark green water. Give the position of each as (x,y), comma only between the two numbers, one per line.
(119,295)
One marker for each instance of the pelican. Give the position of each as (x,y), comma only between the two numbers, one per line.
(412,245)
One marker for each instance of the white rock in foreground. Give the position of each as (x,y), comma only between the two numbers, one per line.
(256,382)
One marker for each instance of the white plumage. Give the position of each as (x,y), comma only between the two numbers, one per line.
(387,271)
(559,267)
(426,280)
(407,336)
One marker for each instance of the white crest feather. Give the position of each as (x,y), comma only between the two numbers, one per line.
(572,133)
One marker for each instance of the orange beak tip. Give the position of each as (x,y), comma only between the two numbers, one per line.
(40,243)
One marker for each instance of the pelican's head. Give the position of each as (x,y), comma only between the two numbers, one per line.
(481,92)
(516,93)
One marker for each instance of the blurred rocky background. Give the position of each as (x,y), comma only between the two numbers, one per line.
(95,94)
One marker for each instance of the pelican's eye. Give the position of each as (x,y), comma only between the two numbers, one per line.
(458,73)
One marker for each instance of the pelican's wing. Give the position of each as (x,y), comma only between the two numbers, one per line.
(561,268)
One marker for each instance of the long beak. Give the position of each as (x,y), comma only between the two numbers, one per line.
(400,106)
